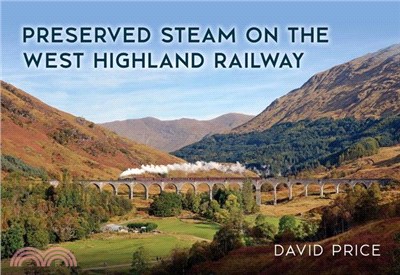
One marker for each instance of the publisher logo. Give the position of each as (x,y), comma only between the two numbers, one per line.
(43,258)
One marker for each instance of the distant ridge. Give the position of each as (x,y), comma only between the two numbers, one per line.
(366,87)
(171,135)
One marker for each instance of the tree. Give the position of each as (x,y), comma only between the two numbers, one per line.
(37,234)
(226,239)
(178,261)
(263,230)
(395,268)
(166,205)
(366,147)
(12,240)
(139,225)
(35,213)
(221,216)
(366,207)
(234,209)
(248,197)
(66,226)
(261,219)
(307,230)
(199,252)
(357,206)
(231,202)
(140,261)
(212,208)
(287,223)
(191,201)
(287,229)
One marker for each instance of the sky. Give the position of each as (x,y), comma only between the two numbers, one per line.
(355,29)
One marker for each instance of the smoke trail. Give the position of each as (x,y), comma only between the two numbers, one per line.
(185,167)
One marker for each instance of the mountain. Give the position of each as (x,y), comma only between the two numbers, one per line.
(170,135)
(366,87)
(35,134)
(290,147)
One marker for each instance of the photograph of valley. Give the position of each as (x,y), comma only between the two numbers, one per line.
(268,171)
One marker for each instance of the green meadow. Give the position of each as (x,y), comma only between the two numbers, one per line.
(116,249)
(107,249)
(196,228)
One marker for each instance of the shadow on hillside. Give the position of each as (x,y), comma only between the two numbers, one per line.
(389,162)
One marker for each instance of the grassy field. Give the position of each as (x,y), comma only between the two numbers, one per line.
(111,249)
(175,226)
(117,248)
(296,207)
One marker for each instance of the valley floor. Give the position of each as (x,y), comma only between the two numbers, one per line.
(113,251)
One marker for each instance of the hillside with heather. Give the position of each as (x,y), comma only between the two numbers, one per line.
(170,135)
(384,164)
(366,87)
(38,136)
(261,259)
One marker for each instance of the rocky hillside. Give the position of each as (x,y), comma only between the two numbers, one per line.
(170,135)
(42,136)
(366,87)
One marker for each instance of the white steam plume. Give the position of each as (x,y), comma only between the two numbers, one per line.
(185,167)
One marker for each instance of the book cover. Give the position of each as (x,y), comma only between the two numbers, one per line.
(200,137)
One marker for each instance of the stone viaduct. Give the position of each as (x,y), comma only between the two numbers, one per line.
(257,183)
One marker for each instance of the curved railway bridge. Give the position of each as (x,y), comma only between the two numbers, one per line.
(210,183)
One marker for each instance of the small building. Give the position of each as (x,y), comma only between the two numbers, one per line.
(114,228)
